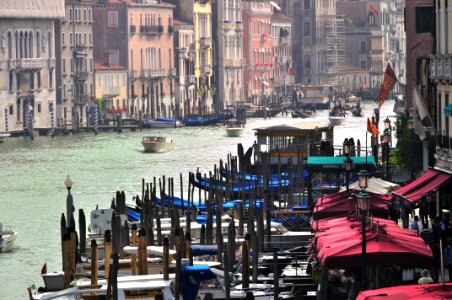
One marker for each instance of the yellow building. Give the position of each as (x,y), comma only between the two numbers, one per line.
(203,63)
(111,90)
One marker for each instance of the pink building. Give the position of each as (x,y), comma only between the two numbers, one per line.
(257,51)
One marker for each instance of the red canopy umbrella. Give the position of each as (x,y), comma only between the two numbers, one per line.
(409,292)
(382,248)
(342,203)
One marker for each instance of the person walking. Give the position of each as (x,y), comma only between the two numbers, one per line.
(448,258)
(423,211)
(414,225)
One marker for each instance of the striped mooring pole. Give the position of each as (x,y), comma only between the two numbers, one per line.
(6,120)
(52,121)
(96,119)
(30,123)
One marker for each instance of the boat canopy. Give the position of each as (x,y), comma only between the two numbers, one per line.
(336,163)
(192,276)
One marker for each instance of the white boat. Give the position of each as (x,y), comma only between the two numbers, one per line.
(235,129)
(336,120)
(7,238)
(162,123)
(3,136)
(157,144)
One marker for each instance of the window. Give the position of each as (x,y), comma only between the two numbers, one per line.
(307,4)
(11,81)
(11,109)
(50,80)
(363,47)
(70,15)
(71,42)
(90,39)
(63,62)
(363,64)
(112,19)
(90,18)
(425,19)
(84,15)
(114,57)
(307,28)
(39,107)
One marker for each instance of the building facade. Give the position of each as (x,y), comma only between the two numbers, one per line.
(281,33)
(27,63)
(145,46)
(75,70)
(185,68)
(111,90)
(228,38)
(257,51)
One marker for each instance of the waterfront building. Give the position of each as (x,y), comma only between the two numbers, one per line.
(199,13)
(27,63)
(257,51)
(75,68)
(281,33)
(139,35)
(318,42)
(111,86)
(228,39)
(185,68)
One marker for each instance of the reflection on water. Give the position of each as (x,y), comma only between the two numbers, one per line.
(32,193)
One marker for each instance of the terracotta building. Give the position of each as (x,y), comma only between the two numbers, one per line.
(139,35)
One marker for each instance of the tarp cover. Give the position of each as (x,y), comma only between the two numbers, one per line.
(376,186)
(417,291)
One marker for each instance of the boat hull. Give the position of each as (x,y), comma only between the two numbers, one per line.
(336,120)
(235,131)
(162,124)
(158,147)
(7,241)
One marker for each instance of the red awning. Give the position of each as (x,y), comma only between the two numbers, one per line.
(424,185)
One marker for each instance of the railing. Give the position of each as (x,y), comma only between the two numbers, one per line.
(82,75)
(205,42)
(307,40)
(155,73)
(82,99)
(233,62)
(28,63)
(111,91)
(52,63)
(183,49)
(191,79)
(133,75)
(238,26)
(206,69)
(172,72)
(133,28)
(440,67)
(144,74)
(284,40)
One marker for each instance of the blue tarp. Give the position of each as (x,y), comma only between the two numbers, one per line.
(198,250)
(192,276)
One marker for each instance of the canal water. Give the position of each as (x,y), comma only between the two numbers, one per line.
(33,195)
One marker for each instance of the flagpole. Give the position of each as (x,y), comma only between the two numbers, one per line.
(366,147)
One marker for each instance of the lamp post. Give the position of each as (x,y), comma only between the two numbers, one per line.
(411,129)
(363,205)
(347,161)
(69,202)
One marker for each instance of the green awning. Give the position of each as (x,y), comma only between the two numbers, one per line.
(336,163)
(448,110)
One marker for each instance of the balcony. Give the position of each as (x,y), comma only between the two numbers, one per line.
(183,50)
(233,62)
(149,30)
(52,63)
(284,40)
(206,69)
(144,73)
(205,42)
(133,29)
(157,73)
(307,40)
(82,99)
(133,75)
(172,72)
(28,64)
(82,75)
(111,91)
(228,25)
(191,79)
(440,67)
(238,26)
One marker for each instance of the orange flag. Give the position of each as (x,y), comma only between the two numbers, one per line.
(388,84)
(371,128)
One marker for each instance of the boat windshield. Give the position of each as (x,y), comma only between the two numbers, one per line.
(154,139)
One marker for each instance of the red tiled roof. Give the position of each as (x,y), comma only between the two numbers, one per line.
(103,67)
(180,22)
(281,16)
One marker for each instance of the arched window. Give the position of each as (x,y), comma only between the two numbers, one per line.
(49,44)
(10,45)
(30,45)
(38,45)
(17,44)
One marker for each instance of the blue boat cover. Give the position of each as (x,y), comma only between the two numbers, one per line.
(199,250)
(192,276)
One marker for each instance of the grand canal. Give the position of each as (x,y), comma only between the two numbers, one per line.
(32,193)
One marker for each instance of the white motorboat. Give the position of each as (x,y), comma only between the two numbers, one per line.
(3,136)
(235,129)
(157,144)
(7,238)
(336,120)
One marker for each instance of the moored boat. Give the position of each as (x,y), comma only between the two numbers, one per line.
(157,144)
(7,238)
(3,136)
(162,123)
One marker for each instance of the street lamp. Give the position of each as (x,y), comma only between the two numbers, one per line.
(68,183)
(363,205)
(385,150)
(346,147)
(348,164)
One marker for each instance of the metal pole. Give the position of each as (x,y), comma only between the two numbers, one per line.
(6,119)
(52,121)
(363,255)
(96,119)
(347,178)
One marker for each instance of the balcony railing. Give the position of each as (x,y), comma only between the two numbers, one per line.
(440,67)
(307,40)
(191,79)
(82,99)
(284,40)
(111,91)
(27,64)
(52,63)
(133,75)
(156,73)
(205,42)
(228,25)
(238,26)
(82,75)
(172,72)
(183,50)
(206,69)
(133,29)
(233,62)
(144,74)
